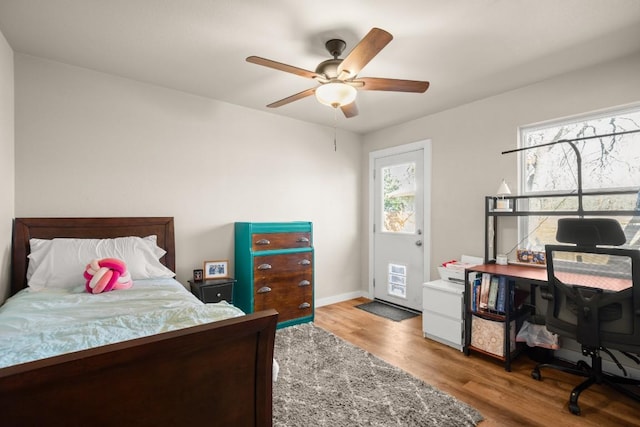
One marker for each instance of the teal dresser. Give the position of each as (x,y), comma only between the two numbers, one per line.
(274,269)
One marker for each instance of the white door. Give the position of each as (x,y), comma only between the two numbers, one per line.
(399,238)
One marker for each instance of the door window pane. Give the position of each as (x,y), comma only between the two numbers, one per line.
(399,198)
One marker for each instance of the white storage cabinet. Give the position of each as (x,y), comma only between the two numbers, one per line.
(443,312)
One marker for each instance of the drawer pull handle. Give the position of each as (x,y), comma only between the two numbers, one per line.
(302,240)
(264,290)
(219,295)
(304,262)
(263,242)
(264,267)
(304,305)
(304,283)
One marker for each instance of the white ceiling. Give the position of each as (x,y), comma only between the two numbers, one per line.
(467,49)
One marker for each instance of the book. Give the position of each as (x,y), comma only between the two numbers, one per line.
(493,292)
(475,292)
(502,294)
(484,291)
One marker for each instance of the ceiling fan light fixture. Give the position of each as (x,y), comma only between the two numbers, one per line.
(336,77)
(336,94)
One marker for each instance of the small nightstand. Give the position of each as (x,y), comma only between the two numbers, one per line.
(214,290)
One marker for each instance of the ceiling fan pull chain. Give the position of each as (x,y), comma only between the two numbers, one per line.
(335,129)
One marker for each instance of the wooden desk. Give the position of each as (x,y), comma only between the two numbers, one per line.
(538,275)
(533,277)
(516,272)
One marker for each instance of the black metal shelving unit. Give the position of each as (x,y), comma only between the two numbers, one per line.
(511,313)
(519,207)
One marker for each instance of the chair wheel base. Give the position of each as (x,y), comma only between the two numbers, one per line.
(535,374)
(574,408)
(583,365)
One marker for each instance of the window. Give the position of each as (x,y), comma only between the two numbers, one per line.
(610,169)
(399,198)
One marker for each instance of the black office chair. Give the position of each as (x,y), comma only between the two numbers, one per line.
(594,298)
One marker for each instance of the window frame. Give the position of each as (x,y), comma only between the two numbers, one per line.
(523,225)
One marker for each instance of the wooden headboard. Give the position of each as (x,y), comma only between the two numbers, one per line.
(88,228)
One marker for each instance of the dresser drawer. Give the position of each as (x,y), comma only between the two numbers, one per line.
(283,266)
(291,300)
(443,329)
(271,241)
(444,298)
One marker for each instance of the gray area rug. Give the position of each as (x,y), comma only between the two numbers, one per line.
(386,310)
(325,381)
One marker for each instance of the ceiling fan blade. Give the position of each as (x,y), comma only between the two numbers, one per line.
(395,85)
(282,67)
(350,110)
(369,46)
(292,98)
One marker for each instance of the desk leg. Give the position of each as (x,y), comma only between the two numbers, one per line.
(467,313)
(507,325)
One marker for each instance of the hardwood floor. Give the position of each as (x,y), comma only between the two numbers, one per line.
(503,398)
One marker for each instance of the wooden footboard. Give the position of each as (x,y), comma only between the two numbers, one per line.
(214,374)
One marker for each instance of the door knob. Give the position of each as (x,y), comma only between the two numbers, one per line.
(418,242)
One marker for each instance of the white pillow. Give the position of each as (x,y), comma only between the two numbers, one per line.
(60,263)
(39,250)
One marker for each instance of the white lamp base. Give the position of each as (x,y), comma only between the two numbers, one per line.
(502,204)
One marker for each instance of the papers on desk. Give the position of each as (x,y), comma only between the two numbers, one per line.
(453,271)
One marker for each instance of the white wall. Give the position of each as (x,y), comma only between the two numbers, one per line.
(7,199)
(467,143)
(93,144)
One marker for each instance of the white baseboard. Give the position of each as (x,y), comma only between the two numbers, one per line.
(342,297)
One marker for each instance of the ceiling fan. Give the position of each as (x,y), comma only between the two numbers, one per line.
(339,79)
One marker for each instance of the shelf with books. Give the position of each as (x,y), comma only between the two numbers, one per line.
(495,310)
(489,293)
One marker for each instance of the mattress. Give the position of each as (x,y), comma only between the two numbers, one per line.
(39,324)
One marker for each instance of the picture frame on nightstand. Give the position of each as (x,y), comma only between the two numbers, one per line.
(198,275)
(216,269)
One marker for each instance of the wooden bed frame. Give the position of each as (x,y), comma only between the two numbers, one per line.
(218,373)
